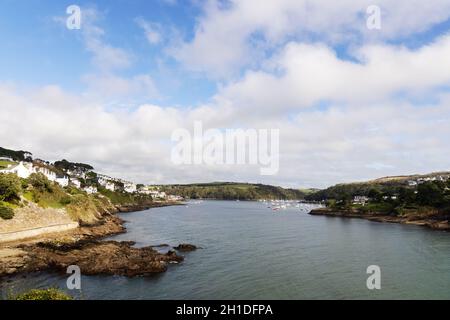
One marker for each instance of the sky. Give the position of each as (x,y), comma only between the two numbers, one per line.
(351,103)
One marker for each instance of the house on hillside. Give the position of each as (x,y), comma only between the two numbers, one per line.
(362,200)
(129,187)
(412,183)
(46,170)
(75,182)
(62,180)
(90,189)
(22,169)
(157,194)
(174,198)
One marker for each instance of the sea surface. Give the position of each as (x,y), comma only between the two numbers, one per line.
(249,251)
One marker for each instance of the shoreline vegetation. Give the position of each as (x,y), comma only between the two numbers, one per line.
(422,200)
(234,191)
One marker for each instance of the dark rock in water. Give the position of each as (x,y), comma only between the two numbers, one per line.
(106,257)
(185,247)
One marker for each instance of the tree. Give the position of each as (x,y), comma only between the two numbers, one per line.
(407,196)
(40,182)
(375,194)
(10,187)
(431,194)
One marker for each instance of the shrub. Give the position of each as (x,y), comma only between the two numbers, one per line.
(6,213)
(40,182)
(45,294)
(10,187)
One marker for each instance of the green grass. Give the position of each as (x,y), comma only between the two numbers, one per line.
(4,164)
(42,294)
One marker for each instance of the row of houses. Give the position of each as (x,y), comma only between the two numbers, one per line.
(74,178)
(418,181)
(26,169)
(114,184)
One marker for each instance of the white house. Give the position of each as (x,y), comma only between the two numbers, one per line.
(23,169)
(63,181)
(129,187)
(174,198)
(46,171)
(75,182)
(157,194)
(90,189)
(360,200)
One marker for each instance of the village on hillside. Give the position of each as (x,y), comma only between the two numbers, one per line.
(77,175)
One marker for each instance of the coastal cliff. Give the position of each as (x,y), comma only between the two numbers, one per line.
(84,247)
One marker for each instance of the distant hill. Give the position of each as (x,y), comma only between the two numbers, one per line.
(388,185)
(232,191)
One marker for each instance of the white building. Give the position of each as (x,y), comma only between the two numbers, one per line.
(46,171)
(129,187)
(75,182)
(157,194)
(23,169)
(90,189)
(106,182)
(174,198)
(111,186)
(63,181)
(360,200)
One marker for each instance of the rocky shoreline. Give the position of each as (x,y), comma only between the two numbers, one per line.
(85,248)
(412,219)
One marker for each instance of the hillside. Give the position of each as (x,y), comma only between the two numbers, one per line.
(386,185)
(232,191)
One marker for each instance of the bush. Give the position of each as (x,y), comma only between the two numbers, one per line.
(6,213)
(46,294)
(10,187)
(40,182)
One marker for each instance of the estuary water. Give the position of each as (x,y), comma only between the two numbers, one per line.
(250,251)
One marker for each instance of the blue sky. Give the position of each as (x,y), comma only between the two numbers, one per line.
(351,103)
(48,53)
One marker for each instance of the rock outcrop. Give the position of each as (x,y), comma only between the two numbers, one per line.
(98,258)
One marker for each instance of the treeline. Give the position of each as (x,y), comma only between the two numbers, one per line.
(233,191)
(72,166)
(350,190)
(391,196)
(15,155)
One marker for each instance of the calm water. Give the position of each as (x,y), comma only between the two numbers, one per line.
(252,252)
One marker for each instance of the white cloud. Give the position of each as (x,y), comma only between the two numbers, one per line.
(303,75)
(152,31)
(237,34)
(368,125)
